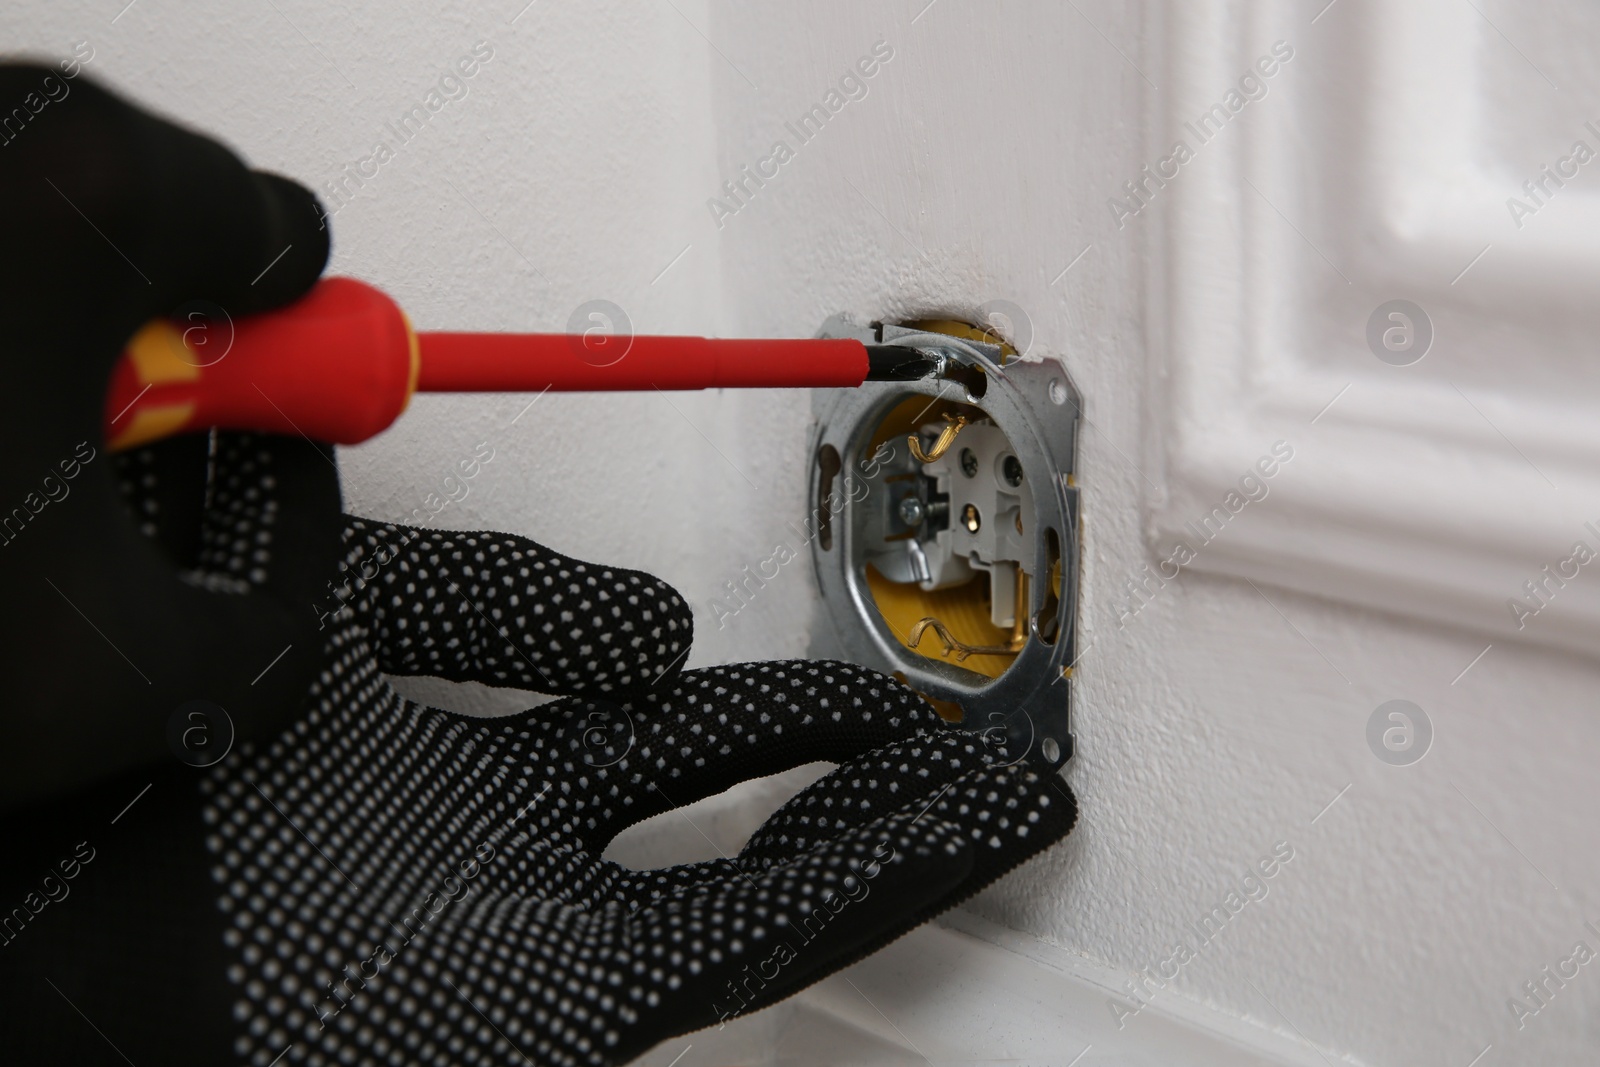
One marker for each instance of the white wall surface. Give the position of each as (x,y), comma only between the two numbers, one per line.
(1217,721)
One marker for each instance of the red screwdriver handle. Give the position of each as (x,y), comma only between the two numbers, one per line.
(341,363)
(337,365)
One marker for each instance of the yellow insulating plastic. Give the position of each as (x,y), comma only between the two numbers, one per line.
(964,610)
(151,423)
(910,413)
(967,332)
(154,352)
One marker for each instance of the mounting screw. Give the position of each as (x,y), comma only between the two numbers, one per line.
(1012,468)
(970,518)
(969,463)
(910,510)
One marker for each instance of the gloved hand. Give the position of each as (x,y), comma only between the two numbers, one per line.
(404,881)
(112,218)
(399,883)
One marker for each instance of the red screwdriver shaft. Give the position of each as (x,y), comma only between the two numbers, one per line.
(531,362)
(341,363)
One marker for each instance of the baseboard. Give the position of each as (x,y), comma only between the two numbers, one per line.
(962,992)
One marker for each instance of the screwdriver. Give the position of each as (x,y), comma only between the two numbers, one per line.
(341,364)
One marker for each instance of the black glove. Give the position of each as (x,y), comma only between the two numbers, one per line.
(403,878)
(391,883)
(114,217)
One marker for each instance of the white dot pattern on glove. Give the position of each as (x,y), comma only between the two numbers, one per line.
(519,613)
(404,885)
(136,480)
(566,953)
(236,535)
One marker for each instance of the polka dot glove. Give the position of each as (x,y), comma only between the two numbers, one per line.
(410,886)
(113,217)
(399,885)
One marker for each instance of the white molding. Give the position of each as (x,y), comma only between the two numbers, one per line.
(1406,495)
(912,1004)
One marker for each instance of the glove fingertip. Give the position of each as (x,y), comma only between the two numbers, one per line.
(298,225)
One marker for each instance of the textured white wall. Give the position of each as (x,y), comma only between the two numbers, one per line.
(1208,729)
(976,168)
(569,171)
